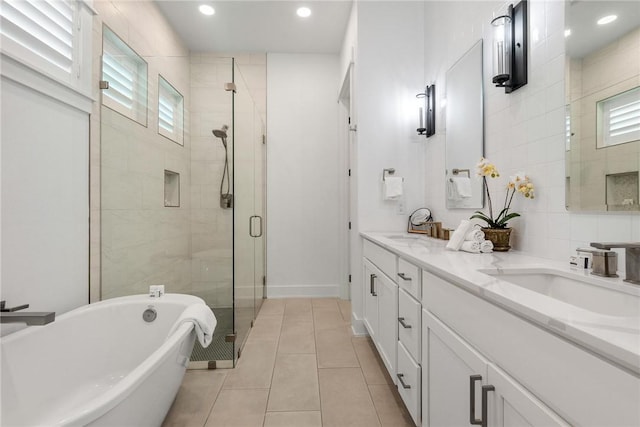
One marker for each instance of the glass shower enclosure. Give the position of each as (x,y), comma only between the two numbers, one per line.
(166,216)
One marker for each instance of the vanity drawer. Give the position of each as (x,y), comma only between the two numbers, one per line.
(409,324)
(382,258)
(408,377)
(408,278)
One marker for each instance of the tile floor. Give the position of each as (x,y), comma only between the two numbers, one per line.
(300,367)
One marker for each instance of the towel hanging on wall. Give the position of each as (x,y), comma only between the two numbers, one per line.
(392,187)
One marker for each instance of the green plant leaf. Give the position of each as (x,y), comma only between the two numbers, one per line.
(504,220)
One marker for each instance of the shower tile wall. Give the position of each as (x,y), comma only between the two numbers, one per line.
(141,241)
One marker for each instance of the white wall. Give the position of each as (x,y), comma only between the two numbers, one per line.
(303,207)
(524,130)
(45,201)
(388,75)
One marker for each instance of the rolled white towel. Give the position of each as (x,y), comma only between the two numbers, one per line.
(475,235)
(470,246)
(457,238)
(486,246)
(203,319)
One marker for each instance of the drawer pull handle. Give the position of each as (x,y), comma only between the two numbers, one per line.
(372,291)
(485,390)
(400,376)
(404,325)
(472,400)
(403,277)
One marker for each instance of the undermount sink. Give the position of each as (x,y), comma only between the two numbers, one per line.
(402,237)
(584,292)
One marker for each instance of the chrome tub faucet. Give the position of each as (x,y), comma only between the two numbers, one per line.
(11,315)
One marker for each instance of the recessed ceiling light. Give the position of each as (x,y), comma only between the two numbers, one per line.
(567,32)
(607,19)
(303,12)
(205,9)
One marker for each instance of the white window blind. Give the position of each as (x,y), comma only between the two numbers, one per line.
(170,111)
(43,27)
(620,118)
(126,73)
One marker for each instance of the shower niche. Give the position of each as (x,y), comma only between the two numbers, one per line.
(622,191)
(171,189)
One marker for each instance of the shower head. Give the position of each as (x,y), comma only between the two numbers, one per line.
(221,133)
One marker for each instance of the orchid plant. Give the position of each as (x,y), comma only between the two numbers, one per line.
(518,183)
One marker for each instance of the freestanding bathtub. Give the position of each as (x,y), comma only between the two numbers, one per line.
(100,364)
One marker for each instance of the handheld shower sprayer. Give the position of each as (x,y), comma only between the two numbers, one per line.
(226,198)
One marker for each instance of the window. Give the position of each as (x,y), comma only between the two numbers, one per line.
(49,37)
(618,119)
(126,74)
(170,111)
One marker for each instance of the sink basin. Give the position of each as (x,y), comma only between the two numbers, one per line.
(585,292)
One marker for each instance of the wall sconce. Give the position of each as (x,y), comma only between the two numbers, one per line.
(510,48)
(429,96)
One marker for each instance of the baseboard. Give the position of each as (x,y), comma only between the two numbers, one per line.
(357,326)
(307,291)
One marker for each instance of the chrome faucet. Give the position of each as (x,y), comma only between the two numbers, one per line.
(632,256)
(9,315)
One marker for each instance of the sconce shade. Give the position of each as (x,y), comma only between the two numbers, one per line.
(428,114)
(510,48)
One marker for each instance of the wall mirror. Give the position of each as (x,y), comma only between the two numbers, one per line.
(602,87)
(465,130)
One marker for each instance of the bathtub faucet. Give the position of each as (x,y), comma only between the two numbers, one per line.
(10,315)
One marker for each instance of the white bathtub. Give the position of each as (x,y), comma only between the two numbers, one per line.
(100,364)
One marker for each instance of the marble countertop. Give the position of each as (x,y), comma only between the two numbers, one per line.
(616,338)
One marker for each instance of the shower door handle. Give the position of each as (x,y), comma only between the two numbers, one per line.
(251,226)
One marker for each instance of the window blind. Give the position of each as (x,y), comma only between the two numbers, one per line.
(166,111)
(622,118)
(44,27)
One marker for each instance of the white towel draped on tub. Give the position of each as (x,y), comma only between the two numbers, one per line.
(392,187)
(203,319)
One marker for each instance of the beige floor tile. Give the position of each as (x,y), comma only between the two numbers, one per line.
(241,408)
(195,398)
(372,366)
(334,349)
(297,337)
(330,304)
(255,366)
(345,309)
(328,319)
(293,419)
(295,384)
(272,307)
(298,309)
(345,399)
(388,403)
(266,328)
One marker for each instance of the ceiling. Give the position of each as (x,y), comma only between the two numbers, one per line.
(586,35)
(259,26)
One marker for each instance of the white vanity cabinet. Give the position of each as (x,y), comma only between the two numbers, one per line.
(462,388)
(536,377)
(381,302)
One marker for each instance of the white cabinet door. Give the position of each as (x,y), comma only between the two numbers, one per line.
(510,405)
(371,299)
(387,338)
(451,372)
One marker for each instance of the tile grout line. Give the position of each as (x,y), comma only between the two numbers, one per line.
(273,371)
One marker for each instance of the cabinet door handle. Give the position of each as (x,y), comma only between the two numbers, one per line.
(372,291)
(472,400)
(400,376)
(485,390)
(404,325)
(403,277)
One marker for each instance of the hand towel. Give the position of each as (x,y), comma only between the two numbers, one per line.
(486,246)
(470,246)
(455,241)
(475,235)
(203,319)
(462,186)
(392,187)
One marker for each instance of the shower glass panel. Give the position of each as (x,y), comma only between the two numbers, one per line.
(195,244)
